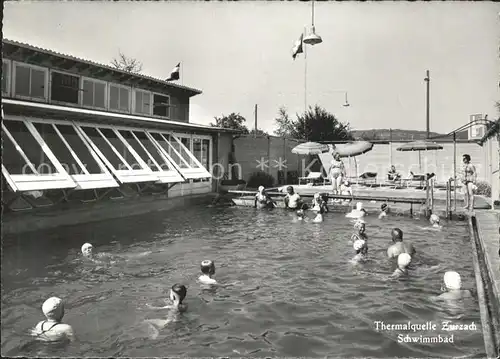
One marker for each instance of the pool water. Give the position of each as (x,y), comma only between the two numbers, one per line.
(294,291)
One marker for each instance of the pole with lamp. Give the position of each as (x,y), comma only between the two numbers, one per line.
(311,39)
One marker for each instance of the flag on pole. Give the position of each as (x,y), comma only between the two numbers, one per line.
(174,75)
(297,47)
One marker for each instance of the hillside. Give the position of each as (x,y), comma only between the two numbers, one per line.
(398,134)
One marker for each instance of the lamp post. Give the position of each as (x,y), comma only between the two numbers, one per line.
(313,38)
(427,106)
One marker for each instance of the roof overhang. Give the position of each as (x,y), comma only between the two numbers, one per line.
(43,110)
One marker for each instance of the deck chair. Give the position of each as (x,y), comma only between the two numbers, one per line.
(313,177)
(368,179)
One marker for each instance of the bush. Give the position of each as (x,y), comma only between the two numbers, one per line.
(260,178)
(483,189)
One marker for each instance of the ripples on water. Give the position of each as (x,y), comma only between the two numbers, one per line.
(295,292)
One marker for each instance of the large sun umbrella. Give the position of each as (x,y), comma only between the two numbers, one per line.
(420,146)
(353,149)
(310,148)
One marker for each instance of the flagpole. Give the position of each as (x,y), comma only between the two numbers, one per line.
(182,73)
(305,73)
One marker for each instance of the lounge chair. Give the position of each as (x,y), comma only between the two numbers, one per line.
(368,179)
(313,177)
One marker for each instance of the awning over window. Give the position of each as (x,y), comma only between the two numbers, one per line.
(48,154)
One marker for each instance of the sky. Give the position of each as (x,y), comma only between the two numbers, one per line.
(240,54)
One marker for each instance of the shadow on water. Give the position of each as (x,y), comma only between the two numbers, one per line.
(293,292)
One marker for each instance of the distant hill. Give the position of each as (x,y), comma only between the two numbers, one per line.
(383,134)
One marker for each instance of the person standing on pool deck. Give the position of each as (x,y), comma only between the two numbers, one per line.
(293,200)
(399,246)
(51,329)
(469,176)
(337,172)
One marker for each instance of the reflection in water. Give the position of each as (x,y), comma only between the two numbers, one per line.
(293,290)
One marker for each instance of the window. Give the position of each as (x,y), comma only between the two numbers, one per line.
(119,98)
(6,77)
(184,160)
(117,154)
(65,88)
(28,163)
(30,81)
(93,93)
(142,102)
(74,154)
(161,105)
(201,151)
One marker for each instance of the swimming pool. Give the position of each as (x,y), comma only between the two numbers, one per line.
(295,292)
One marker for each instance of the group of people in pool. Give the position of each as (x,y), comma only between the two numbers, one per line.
(52,329)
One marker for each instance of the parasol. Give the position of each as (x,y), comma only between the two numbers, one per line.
(420,146)
(351,149)
(310,148)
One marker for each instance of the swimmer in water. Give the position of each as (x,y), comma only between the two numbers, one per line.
(357,213)
(360,228)
(384,210)
(361,248)
(51,329)
(262,200)
(177,295)
(88,252)
(319,204)
(398,247)
(434,219)
(404,260)
(452,287)
(207,271)
(293,200)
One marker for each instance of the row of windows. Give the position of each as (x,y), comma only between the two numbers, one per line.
(32,82)
(48,154)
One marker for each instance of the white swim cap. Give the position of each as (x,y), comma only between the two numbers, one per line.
(53,308)
(316,195)
(358,244)
(359,206)
(452,280)
(261,188)
(85,246)
(434,218)
(404,259)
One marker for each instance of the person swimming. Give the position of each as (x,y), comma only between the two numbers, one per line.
(207,271)
(384,210)
(51,329)
(452,287)
(360,227)
(88,252)
(361,248)
(319,204)
(357,213)
(177,295)
(398,247)
(293,200)
(262,200)
(87,249)
(434,220)
(404,260)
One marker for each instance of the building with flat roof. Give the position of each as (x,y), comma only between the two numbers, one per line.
(78,131)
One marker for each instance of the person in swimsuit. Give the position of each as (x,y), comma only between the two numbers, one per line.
(361,248)
(393,175)
(207,271)
(469,176)
(262,200)
(404,260)
(452,287)
(293,200)
(360,228)
(337,172)
(398,247)
(384,210)
(51,329)
(319,204)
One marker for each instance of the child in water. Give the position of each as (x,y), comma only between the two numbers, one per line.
(404,260)
(207,271)
(361,248)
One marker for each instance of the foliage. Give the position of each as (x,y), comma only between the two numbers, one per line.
(260,178)
(316,124)
(128,64)
(259,132)
(234,121)
(483,189)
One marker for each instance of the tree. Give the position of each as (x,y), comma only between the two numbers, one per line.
(259,132)
(234,121)
(128,64)
(284,123)
(316,124)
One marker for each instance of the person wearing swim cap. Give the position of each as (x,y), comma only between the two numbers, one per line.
(361,249)
(398,247)
(452,287)
(384,210)
(262,199)
(207,271)
(360,228)
(88,252)
(293,200)
(404,260)
(87,249)
(357,213)
(434,219)
(319,204)
(51,329)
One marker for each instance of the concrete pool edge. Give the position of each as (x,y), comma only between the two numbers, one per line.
(483,229)
(19,223)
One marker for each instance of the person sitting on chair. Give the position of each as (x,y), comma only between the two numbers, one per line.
(393,175)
